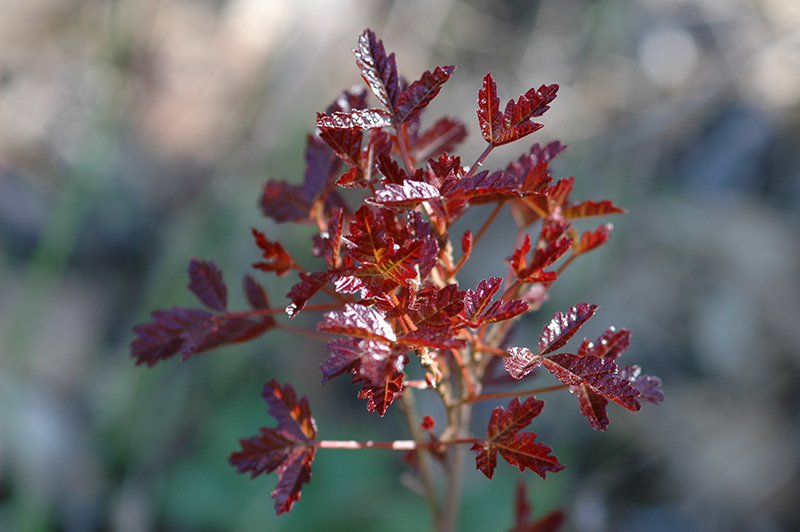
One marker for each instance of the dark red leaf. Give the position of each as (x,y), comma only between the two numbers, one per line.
(503,425)
(310,284)
(380,397)
(648,386)
(551,522)
(378,70)
(405,196)
(355,119)
(610,344)
(284,203)
(276,258)
(345,355)
(542,258)
(593,406)
(522,451)
(485,188)
(255,293)
(432,338)
(190,331)
(563,326)
(501,128)
(476,301)
(358,321)
(443,136)
(332,241)
(598,374)
(207,284)
(420,93)
(590,208)
(288,448)
(346,144)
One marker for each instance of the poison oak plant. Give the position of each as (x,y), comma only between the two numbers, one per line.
(389,291)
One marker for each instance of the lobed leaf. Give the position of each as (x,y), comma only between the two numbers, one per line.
(405,196)
(378,69)
(205,281)
(598,374)
(420,93)
(592,405)
(610,344)
(276,258)
(523,452)
(649,387)
(563,326)
(380,397)
(358,321)
(592,239)
(288,448)
(355,119)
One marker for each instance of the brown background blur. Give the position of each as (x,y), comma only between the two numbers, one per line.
(136,134)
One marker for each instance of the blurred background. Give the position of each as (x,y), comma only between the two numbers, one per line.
(135,134)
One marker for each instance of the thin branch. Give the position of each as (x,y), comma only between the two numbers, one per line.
(303,332)
(479,162)
(487,223)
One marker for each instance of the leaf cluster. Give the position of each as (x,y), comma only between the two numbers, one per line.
(386,279)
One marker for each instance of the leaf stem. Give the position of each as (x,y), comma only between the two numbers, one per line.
(397,445)
(479,161)
(303,332)
(401,142)
(503,395)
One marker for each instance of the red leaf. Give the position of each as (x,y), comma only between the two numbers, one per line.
(592,239)
(345,143)
(590,208)
(276,258)
(648,386)
(598,374)
(378,70)
(503,425)
(332,241)
(522,451)
(380,397)
(420,93)
(563,326)
(345,355)
(255,293)
(593,406)
(476,305)
(498,129)
(190,331)
(207,284)
(610,344)
(443,136)
(288,448)
(405,196)
(355,119)
(485,188)
(542,258)
(310,284)
(283,202)
(358,321)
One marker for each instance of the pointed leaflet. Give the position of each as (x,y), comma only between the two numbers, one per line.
(358,321)
(190,331)
(484,187)
(592,239)
(593,406)
(289,447)
(207,284)
(276,258)
(310,284)
(255,293)
(378,69)
(380,397)
(598,374)
(516,448)
(610,344)
(563,326)
(405,196)
(542,258)
(501,128)
(355,119)
(648,386)
(420,93)
(590,208)
(476,305)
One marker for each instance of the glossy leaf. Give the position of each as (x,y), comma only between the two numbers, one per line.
(358,321)
(205,281)
(309,285)
(378,69)
(288,448)
(563,326)
(598,374)
(380,397)
(355,119)
(649,387)
(405,196)
(420,93)
(610,344)
(522,451)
